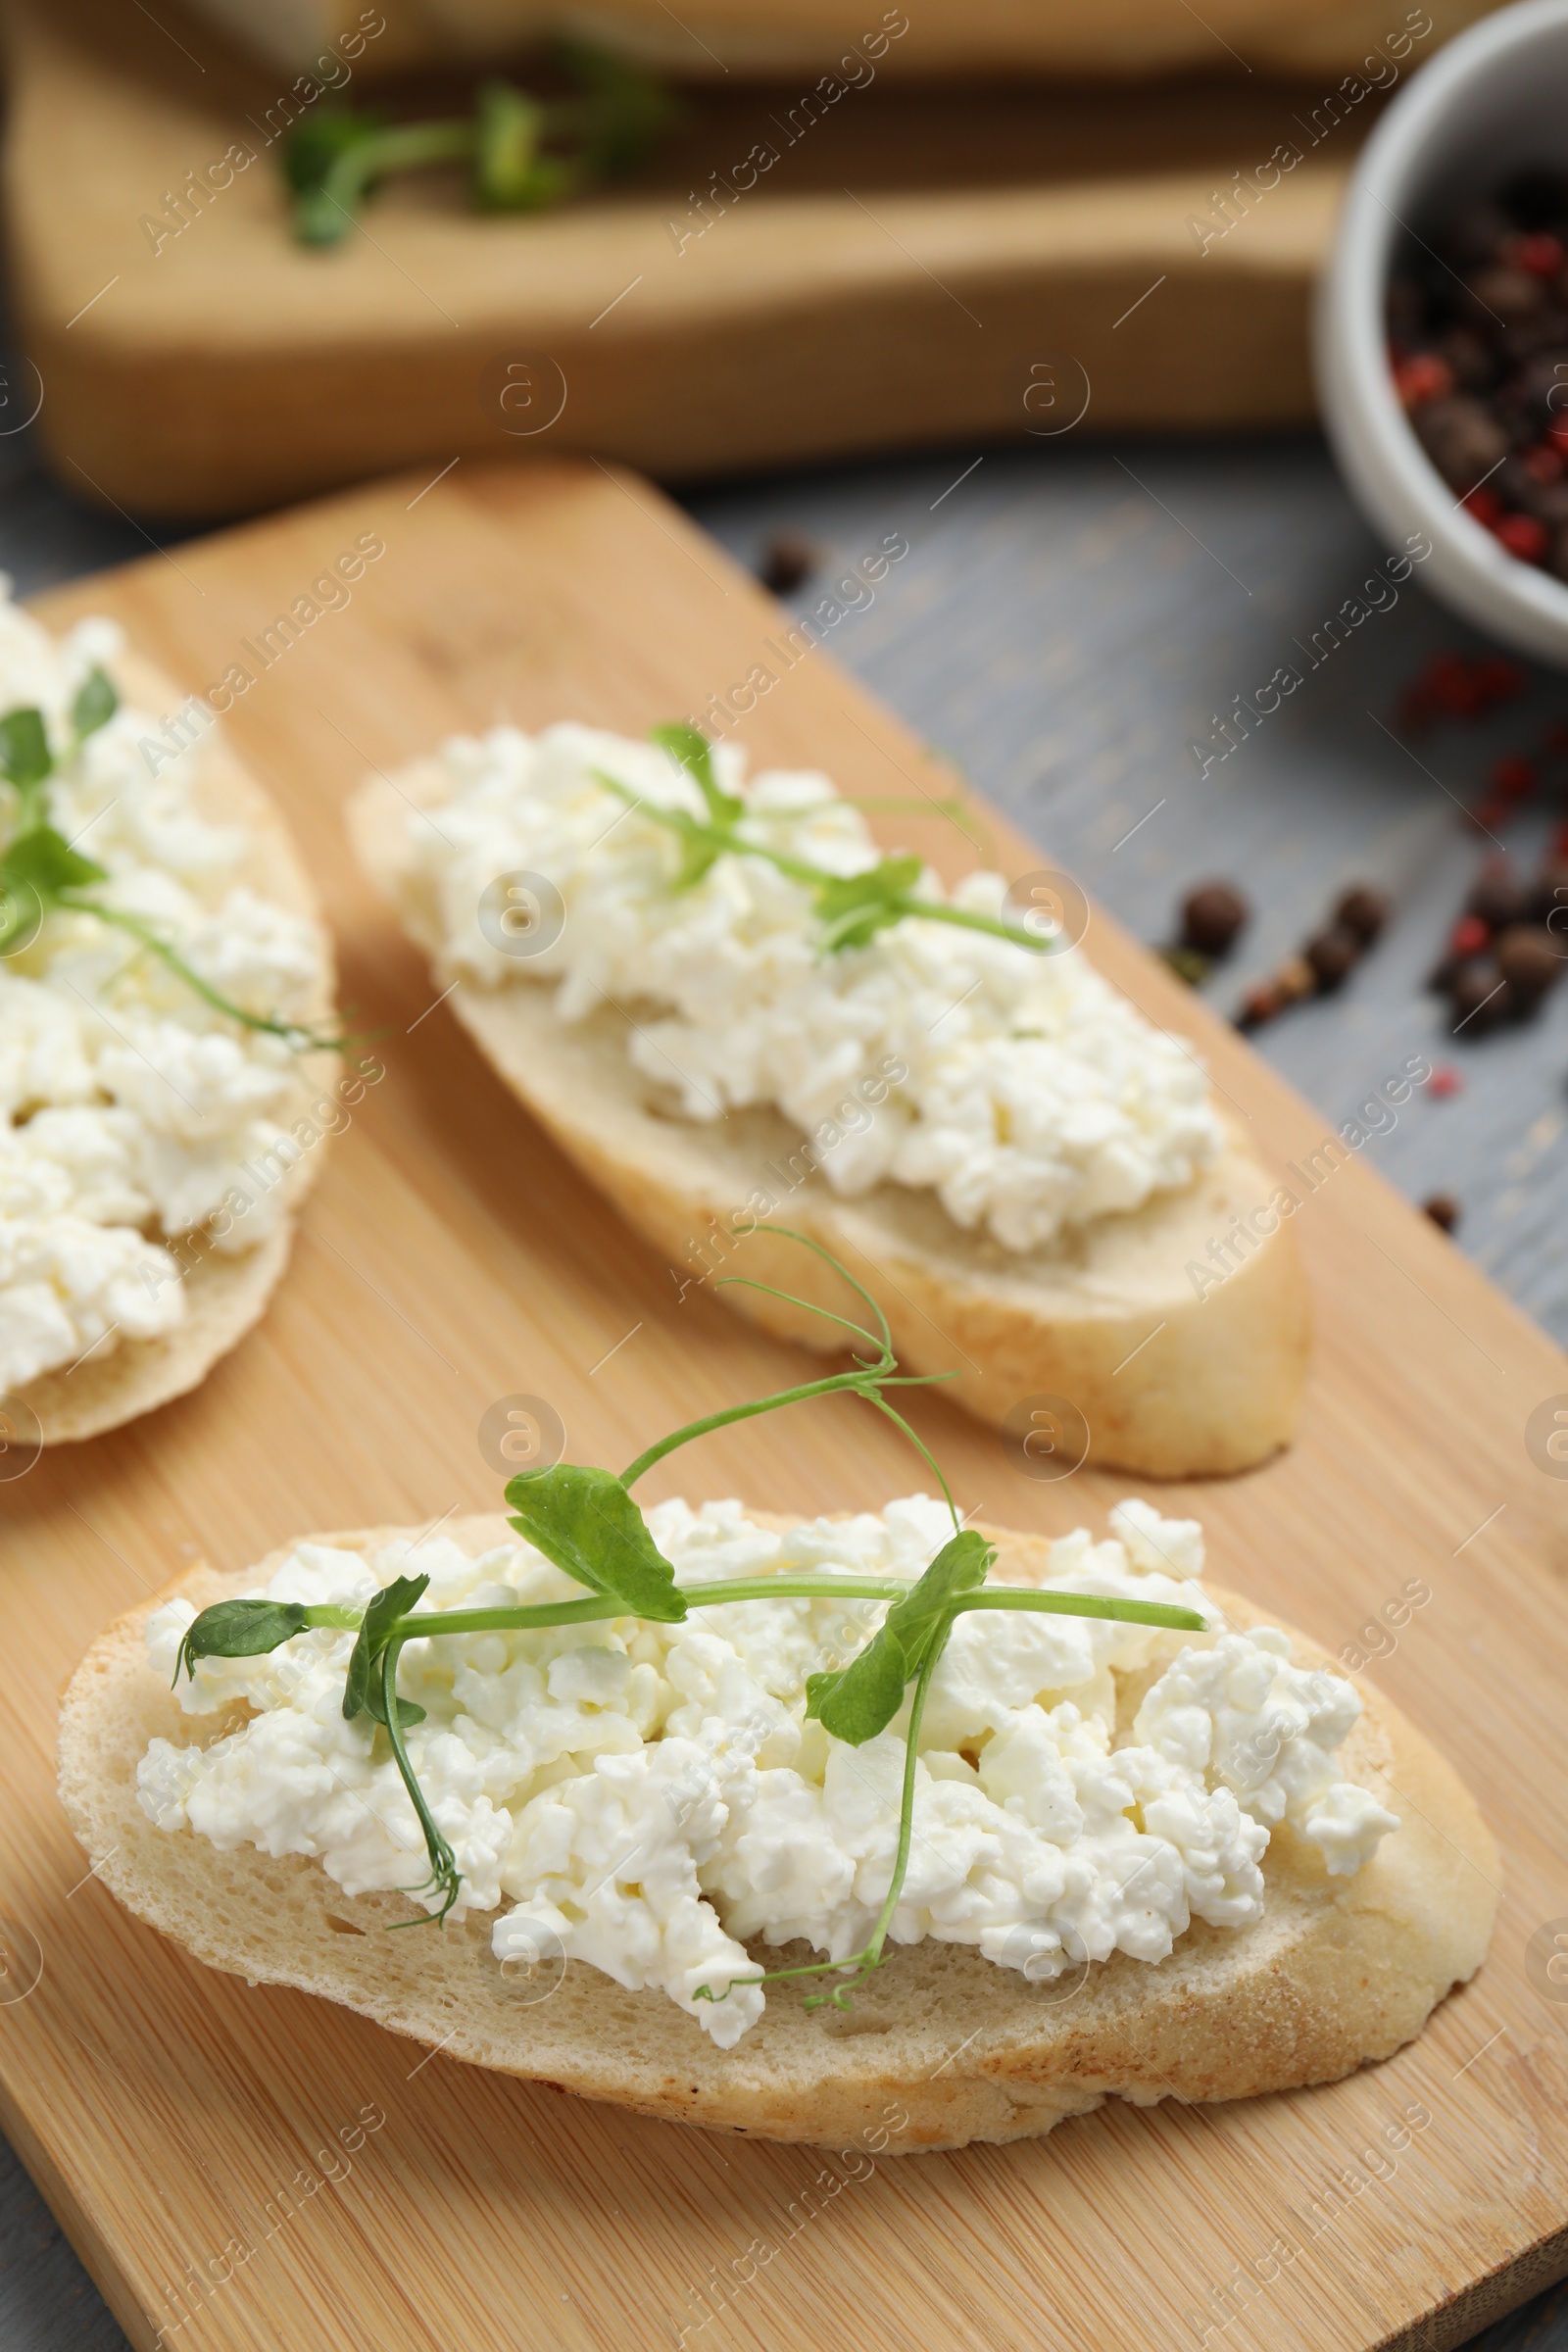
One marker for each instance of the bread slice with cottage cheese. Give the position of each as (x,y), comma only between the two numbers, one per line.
(942,2046)
(225,1293)
(1101,1344)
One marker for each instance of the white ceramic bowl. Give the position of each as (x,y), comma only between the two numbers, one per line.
(1493,101)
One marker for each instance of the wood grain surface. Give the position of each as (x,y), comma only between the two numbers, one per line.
(1125,38)
(246,2168)
(912,267)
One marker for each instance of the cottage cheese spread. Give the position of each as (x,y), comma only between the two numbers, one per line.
(651,1794)
(128,1105)
(1032,1097)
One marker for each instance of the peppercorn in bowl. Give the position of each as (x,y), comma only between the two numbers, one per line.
(1442,340)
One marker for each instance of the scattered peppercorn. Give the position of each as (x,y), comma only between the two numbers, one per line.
(1211,918)
(1214,918)
(1530,959)
(788,563)
(1295,980)
(1508,948)
(1333,955)
(1478,993)
(1326,960)
(1260,1005)
(1363,912)
(1497,897)
(1460,686)
(1444,1210)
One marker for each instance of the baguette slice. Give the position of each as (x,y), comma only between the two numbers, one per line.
(224,1296)
(1339,1971)
(1157,1379)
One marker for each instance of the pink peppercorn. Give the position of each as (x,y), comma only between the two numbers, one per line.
(1541,254)
(1515,779)
(1523,535)
(1421,378)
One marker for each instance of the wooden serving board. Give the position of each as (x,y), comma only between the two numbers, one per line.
(250,2167)
(917,266)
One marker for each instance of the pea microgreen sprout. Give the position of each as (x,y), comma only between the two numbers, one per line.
(525,153)
(585,1521)
(42,874)
(852,909)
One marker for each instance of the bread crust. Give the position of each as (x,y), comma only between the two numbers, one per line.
(1169,1382)
(941,2047)
(225,1295)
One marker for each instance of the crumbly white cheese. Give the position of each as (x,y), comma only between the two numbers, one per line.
(1025,1091)
(128,1107)
(651,1794)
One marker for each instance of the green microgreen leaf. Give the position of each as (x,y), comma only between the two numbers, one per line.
(869,1377)
(97,699)
(854,907)
(293,1033)
(239,1629)
(311,146)
(40,870)
(526,152)
(25,755)
(43,860)
(699,852)
(409,1711)
(510,173)
(691,749)
(333,159)
(364,1690)
(586,1523)
(861,1698)
(443,1876)
(26,758)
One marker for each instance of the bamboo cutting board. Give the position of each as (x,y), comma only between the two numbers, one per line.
(248,2168)
(916,266)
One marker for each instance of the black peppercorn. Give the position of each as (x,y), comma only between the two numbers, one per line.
(1363,910)
(1479,995)
(1214,918)
(1444,1210)
(1261,1004)
(1531,959)
(1334,954)
(1475,369)
(788,563)
(1512,295)
(1498,897)
(1463,438)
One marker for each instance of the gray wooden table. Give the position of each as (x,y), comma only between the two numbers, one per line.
(1068,621)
